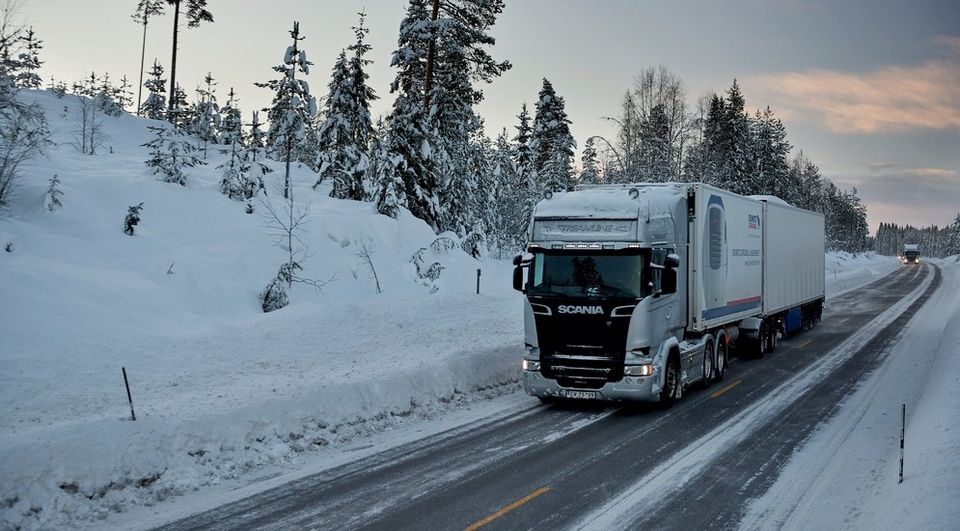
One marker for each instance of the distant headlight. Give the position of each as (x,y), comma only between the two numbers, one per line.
(638,370)
(530,365)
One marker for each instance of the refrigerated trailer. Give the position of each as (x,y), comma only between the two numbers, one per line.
(633,292)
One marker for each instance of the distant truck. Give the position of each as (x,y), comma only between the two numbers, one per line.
(911,253)
(635,291)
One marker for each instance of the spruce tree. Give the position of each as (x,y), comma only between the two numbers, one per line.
(52,197)
(29,61)
(231,121)
(170,152)
(205,119)
(257,141)
(155,106)
(293,107)
(590,163)
(522,157)
(551,143)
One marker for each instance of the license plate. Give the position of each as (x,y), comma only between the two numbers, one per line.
(588,395)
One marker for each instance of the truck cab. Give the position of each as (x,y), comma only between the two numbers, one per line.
(911,253)
(603,293)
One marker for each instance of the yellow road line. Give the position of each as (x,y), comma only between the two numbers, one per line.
(480,523)
(805,343)
(725,389)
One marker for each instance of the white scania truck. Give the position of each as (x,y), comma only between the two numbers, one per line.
(635,291)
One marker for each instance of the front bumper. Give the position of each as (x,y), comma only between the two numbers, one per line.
(629,389)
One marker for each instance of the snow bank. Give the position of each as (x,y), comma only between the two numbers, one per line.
(219,387)
(847,271)
(856,453)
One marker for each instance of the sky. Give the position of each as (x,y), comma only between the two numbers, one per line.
(868,89)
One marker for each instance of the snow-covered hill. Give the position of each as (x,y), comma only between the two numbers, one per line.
(219,387)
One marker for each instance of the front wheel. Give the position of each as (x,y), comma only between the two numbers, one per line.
(671,383)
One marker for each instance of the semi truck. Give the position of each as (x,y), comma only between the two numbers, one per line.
(911,253)
(635,292)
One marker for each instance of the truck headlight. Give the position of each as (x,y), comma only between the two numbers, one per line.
(530,365)
(638,370)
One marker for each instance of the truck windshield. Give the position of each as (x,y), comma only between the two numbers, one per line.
(609,274)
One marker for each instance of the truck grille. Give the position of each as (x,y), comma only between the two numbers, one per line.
(582,370)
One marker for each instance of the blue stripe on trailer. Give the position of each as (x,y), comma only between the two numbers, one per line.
(732,308)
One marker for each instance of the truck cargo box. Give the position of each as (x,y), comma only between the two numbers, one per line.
(726,266)
(793,256)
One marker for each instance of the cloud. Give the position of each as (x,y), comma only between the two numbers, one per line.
(889,99)
(904,194)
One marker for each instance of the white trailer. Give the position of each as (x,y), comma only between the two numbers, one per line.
(635,291)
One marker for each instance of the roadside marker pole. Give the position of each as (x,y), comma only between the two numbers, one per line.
(133,416)
(903,425)
(478,281)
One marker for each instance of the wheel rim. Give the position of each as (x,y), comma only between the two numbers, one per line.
(721,365)
(707,363)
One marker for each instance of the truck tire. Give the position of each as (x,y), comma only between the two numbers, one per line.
(707,364)
(763,340)
(720,365)
(671,382)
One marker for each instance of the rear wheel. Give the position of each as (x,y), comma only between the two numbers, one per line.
(763,339)
(708,365)
(671,383)
(720,367)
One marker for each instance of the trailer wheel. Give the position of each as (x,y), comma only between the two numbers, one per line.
(671,382)
(763,340)
(720,366)
(707,366)
(774,337)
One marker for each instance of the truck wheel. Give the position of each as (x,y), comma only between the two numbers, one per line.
(774,337)
(671,383)
(707,364)
(720,366)
(763,340)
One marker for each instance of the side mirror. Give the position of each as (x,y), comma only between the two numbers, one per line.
(672,260)
(518,278)
(517,259)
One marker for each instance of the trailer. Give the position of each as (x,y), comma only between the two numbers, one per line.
(634,292)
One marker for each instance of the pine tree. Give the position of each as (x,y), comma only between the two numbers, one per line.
(179,112)
(655,155)
(155,107)
(770,174)
(408,139)
(339,156)
(551,143)
(231,121)
(170,152)
(590,174)
(146,9)
(385,175)
(29,61)
(52,197)
(522,157)
(196,13)
(241,178)
(354,96)
(293,107)
(205,120)
(132,219)
(122,94)
(257,142)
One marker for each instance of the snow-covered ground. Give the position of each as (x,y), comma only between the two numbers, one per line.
(225,395)
(846,474)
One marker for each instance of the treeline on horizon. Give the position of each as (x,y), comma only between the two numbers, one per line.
(430,153)
(932,241)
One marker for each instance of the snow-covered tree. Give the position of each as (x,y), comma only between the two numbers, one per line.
(384,177)
(345,134)
(293,107)
(241,179)
(155,107)
(257,141)
(231,121)
(179,112)
(170,152)
(51,199)
(205,120)
(770,148)
(522,158)
(29,61)
(23,133)
(551,142)
(590,172)
(132,219)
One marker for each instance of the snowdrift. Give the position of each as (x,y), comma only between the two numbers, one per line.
(219,387)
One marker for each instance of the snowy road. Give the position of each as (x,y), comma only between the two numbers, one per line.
(600,466)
